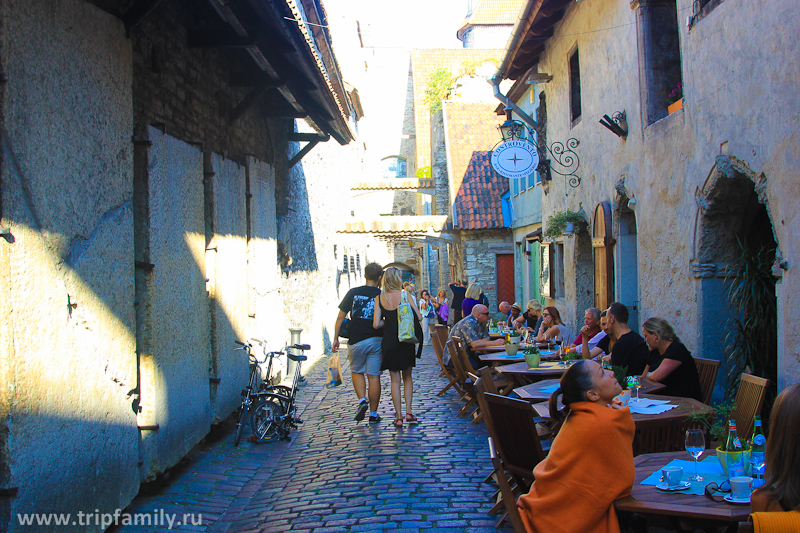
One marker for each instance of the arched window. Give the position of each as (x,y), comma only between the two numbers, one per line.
(393,167)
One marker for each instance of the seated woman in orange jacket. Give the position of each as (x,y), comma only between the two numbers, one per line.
(590,463)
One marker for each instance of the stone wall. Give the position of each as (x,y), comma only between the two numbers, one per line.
(67,332)
(665,165)
(480,263)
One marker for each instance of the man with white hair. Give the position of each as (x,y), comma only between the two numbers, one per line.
(474,334)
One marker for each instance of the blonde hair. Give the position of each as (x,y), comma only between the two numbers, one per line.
(441,292)
(392,280)
(661,328)
(536,305)
(474,291)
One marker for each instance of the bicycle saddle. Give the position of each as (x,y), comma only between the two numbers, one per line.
(294,357)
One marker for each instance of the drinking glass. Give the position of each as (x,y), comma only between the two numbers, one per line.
(695,445)
(636,383)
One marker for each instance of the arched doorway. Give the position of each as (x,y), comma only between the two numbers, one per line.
(603,247)
(734,226)
(627,270)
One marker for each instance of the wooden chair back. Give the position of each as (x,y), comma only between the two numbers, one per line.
(515,433)
(466,364)
(749,400)
(667,437)
(509,500)
(438,347)
(707,369)
(441,332)
(744,527)
(461,374)
(486,375)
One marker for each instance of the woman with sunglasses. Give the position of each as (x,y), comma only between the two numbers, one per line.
(590,464)
(781,489)
(552,327)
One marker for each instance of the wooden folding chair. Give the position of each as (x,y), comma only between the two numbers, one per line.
(463,361)
(438,347)
(749,400)
(507,494)
(501,382)
(463,381)
(707,369)
(443,332)
(665,437)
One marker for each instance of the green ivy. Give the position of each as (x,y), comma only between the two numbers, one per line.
(424,173)
(438,88)
(558,221)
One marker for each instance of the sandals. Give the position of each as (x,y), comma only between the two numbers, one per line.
(411,419)
(398,423)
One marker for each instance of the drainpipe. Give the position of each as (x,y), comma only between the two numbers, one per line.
(495,80)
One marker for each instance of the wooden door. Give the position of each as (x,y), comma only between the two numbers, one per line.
(603,245)
(505,280)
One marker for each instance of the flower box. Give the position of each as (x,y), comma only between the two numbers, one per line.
(675,106)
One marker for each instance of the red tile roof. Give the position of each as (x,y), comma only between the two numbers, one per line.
(494,12)
(477,204)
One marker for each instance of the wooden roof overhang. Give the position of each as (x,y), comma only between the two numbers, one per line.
(294,67)
(535,25)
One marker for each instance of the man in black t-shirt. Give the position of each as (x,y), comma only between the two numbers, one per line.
(459,293)
(364,344)
(630,349)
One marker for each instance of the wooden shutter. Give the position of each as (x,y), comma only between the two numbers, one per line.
(505,278)
(546,255)
(602,243)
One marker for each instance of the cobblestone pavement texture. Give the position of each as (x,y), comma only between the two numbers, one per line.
(336,475)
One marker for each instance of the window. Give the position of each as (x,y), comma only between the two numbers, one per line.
(660,41)
(393,167)
(574,88)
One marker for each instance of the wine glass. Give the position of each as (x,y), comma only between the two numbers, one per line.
(695,445)
(636,383)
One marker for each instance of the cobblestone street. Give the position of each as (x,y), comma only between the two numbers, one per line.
(336,475)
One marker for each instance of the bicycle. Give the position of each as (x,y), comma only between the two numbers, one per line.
(275,413)
(249,394)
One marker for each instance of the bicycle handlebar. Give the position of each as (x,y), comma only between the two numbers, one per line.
(240,343)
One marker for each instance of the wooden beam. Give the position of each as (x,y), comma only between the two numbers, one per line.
(253,78)
(137,13)
(546,23)
(307,148)
(248,101)
(551,8)
(310,137)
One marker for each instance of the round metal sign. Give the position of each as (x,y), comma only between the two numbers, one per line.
(515,159)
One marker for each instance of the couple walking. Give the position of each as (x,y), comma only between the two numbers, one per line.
(374,344)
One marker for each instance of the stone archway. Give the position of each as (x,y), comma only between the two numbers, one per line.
(732,205)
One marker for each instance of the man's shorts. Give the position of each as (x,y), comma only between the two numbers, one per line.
(365,356)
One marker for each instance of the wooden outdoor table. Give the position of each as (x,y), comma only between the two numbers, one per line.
(685,406)
(501,357)
(522,375)
(533,392)
(646,499)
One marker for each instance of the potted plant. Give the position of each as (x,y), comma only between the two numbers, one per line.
(715,419)
(621,375)
(511,348)
(533,357)
(557,223)
(675,99)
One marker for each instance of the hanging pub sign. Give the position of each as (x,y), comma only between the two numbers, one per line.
(515,159)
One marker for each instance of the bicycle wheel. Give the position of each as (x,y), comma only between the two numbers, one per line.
(266,418)
(240,425)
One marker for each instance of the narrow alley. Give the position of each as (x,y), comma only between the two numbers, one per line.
(336,475)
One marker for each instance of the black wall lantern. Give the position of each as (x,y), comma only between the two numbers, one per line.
(617,123)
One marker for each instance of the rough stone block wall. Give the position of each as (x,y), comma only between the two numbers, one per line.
(227,286)
(68,365)
(442,204)
(173,321)
(480,264)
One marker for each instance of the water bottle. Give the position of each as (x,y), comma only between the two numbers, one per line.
(735,452)
(757,453)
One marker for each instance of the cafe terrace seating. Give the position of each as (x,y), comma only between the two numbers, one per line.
(749,400)
(464,383)
(707,370)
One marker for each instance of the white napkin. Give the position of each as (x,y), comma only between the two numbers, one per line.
(650,410)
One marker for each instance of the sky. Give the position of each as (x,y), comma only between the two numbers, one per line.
(408,24)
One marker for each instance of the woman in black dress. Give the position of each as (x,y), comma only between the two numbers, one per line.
(669,361)
(398,357)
